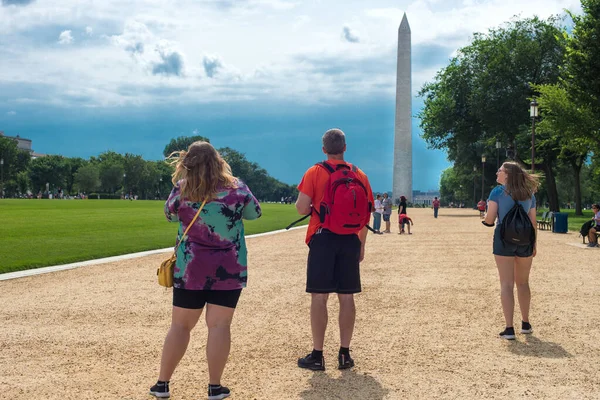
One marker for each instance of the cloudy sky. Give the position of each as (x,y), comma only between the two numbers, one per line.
(265,77)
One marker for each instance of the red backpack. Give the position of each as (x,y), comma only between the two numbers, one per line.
(345,208)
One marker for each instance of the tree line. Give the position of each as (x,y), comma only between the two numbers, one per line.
(482,97)
(112,175)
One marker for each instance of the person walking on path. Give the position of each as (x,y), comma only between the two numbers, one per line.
(212,264)
(401,210)
(387,212)
(436,206)
(481,207)
(513,261)
(333,259)
(377,215)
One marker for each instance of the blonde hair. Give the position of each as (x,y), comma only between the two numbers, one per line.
(201,171)
(520,184)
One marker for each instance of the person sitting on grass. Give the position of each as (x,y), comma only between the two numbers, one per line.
(404,219)
(596,228)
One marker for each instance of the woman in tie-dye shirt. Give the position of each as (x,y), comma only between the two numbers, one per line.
(212,262)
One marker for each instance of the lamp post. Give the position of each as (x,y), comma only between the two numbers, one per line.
(482,174)
(533,112)
(498,145)
(474,186)
(124,188)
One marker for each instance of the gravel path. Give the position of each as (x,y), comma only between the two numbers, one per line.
(426,327)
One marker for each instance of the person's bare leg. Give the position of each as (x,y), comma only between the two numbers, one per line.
(183,321)
(506,272)
(347,318)
(218,321)
(387,227)
(522,270)
(408,228)
(318,319)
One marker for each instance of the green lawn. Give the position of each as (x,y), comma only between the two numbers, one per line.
(575,222)
(37,233)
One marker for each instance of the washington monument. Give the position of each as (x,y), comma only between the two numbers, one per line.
(402,185)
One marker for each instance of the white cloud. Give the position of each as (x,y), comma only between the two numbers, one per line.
(233,49)
(11,113)
(65,37)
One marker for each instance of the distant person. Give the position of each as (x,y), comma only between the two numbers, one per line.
(595,228)
(402,210)
(377,215)
(436,206)
(513,261)
(387,211)
(481,207)
(211,267)
(402,220)
(333,259)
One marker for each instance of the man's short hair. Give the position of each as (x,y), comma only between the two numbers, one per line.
(334,141)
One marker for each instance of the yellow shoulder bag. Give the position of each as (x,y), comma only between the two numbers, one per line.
(167,267)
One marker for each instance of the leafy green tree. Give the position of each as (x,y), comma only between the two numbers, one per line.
(483,95)
(87,178)
(23,181)
(582,66)
(48,169)
(111,175)
(182,143)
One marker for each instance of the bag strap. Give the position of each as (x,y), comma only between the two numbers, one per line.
(190,225)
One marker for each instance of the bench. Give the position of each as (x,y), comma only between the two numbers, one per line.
(546,221)
(597,237)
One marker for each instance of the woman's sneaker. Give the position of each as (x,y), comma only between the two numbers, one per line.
(218,392)
(312,363)
(508,334)
(526,327)
(160,390)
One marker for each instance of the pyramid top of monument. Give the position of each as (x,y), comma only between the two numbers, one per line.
(404,27)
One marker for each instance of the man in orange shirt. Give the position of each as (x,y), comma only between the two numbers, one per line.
(333,260)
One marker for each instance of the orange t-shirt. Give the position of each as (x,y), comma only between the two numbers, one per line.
(313,184)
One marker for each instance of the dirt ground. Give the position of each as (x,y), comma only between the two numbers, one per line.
(427,325)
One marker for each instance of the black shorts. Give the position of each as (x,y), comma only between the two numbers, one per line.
(509,249)
(196,299)
(333,264)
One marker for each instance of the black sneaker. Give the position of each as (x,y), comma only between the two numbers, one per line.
(345,361)
(508,334)
(526,327)
(312,363)
(218,392)
(160,390)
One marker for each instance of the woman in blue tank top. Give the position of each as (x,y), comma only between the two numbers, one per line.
(513,261)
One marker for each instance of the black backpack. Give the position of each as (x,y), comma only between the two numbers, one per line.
(517,228)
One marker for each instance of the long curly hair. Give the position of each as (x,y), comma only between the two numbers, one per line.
(201,172)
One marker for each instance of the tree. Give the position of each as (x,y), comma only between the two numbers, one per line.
(566,125)
(582,66)
(483,96)
(23,181)
(48,169)
(87,178)
(182,143)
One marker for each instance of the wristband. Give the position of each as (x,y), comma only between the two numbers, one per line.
(486,224)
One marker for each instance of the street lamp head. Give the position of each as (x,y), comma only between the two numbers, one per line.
(474,168)
(533,109)
(498,144)
(1,161)
(482,159)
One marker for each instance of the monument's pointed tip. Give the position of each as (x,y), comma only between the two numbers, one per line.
(404,27)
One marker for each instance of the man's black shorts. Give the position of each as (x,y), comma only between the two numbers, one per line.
(196,299)
(333,264)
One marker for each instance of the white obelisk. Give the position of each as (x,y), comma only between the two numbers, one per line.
(402,185)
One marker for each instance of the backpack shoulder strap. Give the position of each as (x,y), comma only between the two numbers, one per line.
(327,167)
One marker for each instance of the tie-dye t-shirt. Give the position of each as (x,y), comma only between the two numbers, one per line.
(213,255)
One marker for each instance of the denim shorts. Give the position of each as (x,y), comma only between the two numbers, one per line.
(386,217)
(509,249)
